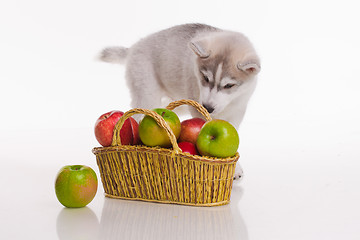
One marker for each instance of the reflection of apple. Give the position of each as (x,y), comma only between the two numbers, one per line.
(76,185)
(104,129)
(188,147)
(218,138)
(190,129)
(151,134)
(77,223)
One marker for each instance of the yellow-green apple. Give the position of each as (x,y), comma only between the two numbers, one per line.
(190,129)
(76,185)
(104,129)
(188,147)
(218,138)
(151,134)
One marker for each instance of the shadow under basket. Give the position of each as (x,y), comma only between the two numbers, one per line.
(164,175)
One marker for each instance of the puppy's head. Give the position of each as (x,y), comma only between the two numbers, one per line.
(226,68)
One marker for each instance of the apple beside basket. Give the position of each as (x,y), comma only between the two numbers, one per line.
(155,174)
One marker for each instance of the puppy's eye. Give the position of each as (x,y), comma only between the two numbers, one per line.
(206,79)
(229,85)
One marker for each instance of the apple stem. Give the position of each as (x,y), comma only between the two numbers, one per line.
(75,168)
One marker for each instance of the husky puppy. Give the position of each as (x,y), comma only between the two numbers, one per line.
(214,67)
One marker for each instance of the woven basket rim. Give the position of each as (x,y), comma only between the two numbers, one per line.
(166,151)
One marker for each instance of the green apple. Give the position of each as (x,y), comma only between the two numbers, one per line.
(76,185)
(151,134)
(218,138)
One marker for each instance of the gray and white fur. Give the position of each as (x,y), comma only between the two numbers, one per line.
(215,67)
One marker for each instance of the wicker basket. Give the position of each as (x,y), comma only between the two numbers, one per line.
(164,175)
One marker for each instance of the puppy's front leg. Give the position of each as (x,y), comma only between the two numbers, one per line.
(238,172)
(145,90)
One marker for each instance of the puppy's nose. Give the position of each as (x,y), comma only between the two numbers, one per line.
(209,108)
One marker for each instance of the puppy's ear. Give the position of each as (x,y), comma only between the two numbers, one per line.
(250,66)
(198,48)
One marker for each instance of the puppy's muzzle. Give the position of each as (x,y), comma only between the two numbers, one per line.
(209,108)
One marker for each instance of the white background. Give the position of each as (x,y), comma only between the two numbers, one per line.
(299,140)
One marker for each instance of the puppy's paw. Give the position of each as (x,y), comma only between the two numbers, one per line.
(238,175)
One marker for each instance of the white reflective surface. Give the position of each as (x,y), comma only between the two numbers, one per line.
(287,193)
(164,221)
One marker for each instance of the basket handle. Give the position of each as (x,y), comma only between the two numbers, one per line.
(193,103)
(159,120)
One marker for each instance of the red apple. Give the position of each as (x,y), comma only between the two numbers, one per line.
(190,129)
(188,147)
(151,134)
(104,129)
(76,185)
(218,138)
